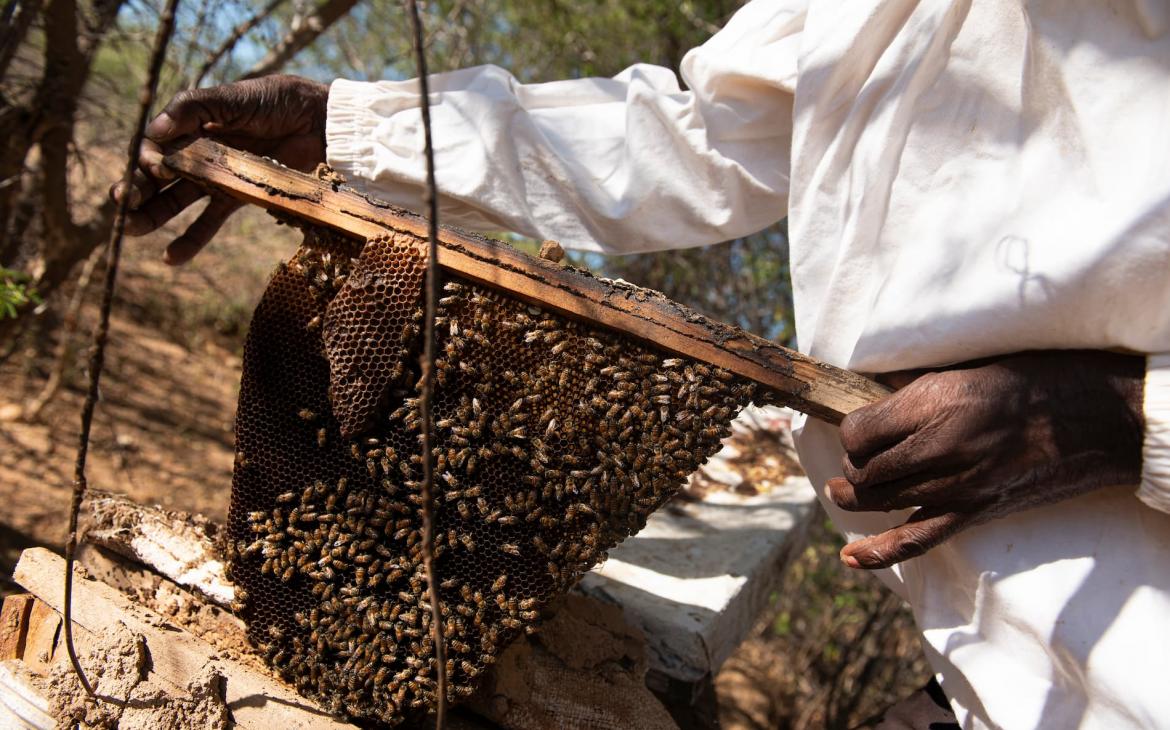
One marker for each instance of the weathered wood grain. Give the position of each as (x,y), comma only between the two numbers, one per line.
(255,700)
(816,388)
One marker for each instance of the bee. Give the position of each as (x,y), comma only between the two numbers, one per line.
(307,415)
(671,362)
(463,509)
(468,542)
(510,549)
(499,583)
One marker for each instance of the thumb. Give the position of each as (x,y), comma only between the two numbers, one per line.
(926,528)
(190,110)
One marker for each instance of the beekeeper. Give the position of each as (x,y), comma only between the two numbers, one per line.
(978,198)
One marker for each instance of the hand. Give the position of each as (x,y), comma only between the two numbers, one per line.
(985,439)
(279,116)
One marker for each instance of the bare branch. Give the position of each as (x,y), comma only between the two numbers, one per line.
(230,42)
(166,26)
(14,24)
(65,348)
(326,14)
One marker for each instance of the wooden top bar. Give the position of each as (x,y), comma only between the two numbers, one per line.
(818,389)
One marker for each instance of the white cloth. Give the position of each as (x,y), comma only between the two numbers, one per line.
(962,180)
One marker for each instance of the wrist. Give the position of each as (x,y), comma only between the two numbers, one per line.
(1098,411)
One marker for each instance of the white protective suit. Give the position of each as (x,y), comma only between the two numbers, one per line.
(962,180)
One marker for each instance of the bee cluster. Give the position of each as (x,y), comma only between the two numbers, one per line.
(555,440)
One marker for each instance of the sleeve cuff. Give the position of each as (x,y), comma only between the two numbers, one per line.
(358,114)
(1155,486)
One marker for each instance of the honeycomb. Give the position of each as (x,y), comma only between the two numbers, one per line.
(555,440)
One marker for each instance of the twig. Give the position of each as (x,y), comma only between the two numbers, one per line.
(319,21)
(166,27)
(431,201)
(230,42)
(32,411)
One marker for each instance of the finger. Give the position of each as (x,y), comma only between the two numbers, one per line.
(162,207)
(923,450)
(922,490)
(151,160)
(188,111)
(872,428)
(925,529)
(239,108)
(141,188)
(199,234)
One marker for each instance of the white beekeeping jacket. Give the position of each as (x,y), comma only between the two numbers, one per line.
(962,180)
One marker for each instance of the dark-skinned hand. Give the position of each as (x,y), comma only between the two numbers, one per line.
(282,117)
(987,439)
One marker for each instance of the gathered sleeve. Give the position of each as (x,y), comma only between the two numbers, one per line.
(626,164)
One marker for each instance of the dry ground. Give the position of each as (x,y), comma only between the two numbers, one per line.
(832,650)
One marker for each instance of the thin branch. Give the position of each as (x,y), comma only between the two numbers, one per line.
(431,200)
(33,409)
(319,21)
(97,354)
(17,17)
(230,42)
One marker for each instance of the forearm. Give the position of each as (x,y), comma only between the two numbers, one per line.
(627,164)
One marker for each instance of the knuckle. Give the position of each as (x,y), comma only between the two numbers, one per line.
(183,100)
(913,542)
(853,472)
(854,429)
(843,495)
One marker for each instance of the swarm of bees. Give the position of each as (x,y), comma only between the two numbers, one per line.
(555,441)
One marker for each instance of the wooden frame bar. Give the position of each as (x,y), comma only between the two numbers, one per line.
(816,388)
